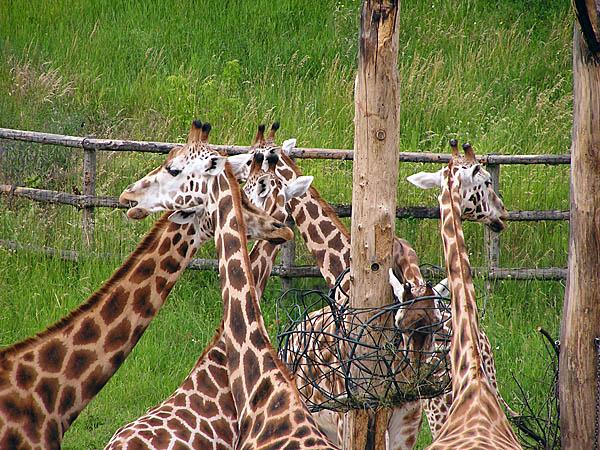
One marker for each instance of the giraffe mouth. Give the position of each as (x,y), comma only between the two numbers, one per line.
(282,234)
(137,213)
(277,241)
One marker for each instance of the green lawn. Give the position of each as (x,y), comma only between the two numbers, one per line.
(495,73)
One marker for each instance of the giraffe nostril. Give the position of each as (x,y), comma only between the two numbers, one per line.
(497,226)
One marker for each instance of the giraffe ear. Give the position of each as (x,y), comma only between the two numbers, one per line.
(396,286)
(186,215)
(426,180)
(441,288)
(297,187)
(262,186)
(288,145)
(215,165)
(240,165)
(470,174)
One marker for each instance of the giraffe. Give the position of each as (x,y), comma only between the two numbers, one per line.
(329,241)
(47,380)
(409,415)
(268,407)
(187,418)
(475,418)
(479,203)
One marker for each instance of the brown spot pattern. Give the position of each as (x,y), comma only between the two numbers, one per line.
(51,356)
(47,389)
(88,332)
(26,376)
(115,304)
(143,271)
(118,336)
(78,363)
(141,302)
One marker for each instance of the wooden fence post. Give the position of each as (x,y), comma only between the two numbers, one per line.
(581,310)
(492,239)
(374,183)
(89,188)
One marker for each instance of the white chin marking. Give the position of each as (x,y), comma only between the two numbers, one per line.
(137,213)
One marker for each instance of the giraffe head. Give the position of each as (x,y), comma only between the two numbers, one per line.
(479,202)
(419,318)
(186,184)
(263,187)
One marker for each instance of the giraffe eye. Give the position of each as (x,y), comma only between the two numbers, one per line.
(173,172)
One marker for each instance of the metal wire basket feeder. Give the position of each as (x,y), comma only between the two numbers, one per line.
(347,358)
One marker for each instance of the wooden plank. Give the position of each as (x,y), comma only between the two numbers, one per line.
(548,273)
(430,212)
(407,212)
(498,273)
(581,310)
(57,197)
(119,145)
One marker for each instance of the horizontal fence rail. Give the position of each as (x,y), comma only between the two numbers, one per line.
(342,210)
(306,153)
(287,269)
(548,273)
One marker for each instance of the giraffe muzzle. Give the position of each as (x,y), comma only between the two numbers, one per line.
(281,235)
(137,213)
(134,212)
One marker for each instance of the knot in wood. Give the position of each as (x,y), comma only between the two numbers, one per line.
(374,267)
(380,134)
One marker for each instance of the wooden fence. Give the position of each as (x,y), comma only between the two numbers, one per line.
(88,201)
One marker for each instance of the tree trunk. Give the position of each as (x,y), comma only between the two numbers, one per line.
(581,311)
(375,179)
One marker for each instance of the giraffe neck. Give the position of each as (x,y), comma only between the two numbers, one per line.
(201,411)
(60,370)
(465,353)
(325,236)
(263,254)
(407,262)
(241,318)
(261,385)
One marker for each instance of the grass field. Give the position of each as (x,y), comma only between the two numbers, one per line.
(495,73)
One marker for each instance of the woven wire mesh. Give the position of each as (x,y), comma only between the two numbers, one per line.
(350,358)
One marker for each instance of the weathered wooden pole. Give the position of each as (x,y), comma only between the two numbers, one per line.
(491,238)
(89,188)
(375,179)
(581,312)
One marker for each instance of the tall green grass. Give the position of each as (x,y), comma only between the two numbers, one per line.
(495,73)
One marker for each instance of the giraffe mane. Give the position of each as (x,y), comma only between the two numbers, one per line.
(93,299)
(331,215)
(237,203)
(465,273)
